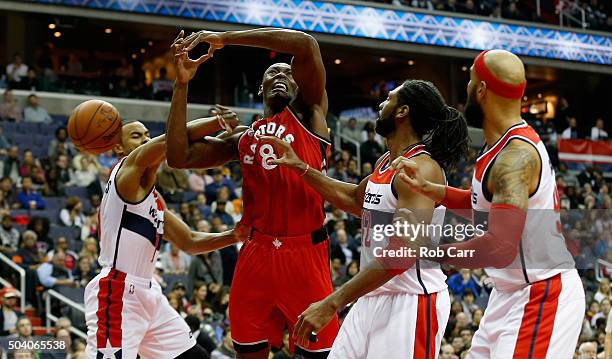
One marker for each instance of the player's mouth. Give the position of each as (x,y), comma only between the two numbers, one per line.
(280,86)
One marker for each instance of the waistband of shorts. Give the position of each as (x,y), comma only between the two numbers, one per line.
(280,242)
(129,278)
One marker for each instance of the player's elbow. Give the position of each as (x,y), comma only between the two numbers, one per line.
(176,161)
(308,44)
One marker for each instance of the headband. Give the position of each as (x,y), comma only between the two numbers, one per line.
(498,87)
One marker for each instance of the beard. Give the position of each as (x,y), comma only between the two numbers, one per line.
(473,112)
(386,125)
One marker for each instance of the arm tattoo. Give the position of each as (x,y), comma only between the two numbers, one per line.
(511,176)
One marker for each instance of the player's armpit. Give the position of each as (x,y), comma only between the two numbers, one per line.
(513,173)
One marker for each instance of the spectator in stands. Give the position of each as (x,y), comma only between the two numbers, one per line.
(219,180)
(24,329)
(28,198)
(172,183)
(587,350)
(9,109)
(87,171)
(74,66)
(72,214)
(61,136)
(572,131)
(9,236)
(199,294)
(207,267)
(467,303)
(205,210)
(451,5)
(31,81)
(61,245)
(197,180)
(16,72)
(512,12)
(54,274)
(10,166)
(342,249)
(31,167)
(107,159)
(90,249)
(371,150)
(9,316)
(162,86)
(352,172)
(223,207)
(175,261)
(176,304)
(34,112)
(447,352)
(603,291)
(28,255)
(226,349)
(458,282)
(604,310)
(476,318)
(597,132)
(40,226)
(84,271)
(351,131)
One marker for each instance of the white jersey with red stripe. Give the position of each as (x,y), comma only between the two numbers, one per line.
(542,252)
(130,233)
(379,206)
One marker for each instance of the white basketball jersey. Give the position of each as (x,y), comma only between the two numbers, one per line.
(130,233)
(379,206)
(542,251)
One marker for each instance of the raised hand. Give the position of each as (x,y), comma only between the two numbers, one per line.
(228,119)
(185,67)
(214,39)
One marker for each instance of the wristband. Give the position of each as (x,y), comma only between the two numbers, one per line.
(306,170)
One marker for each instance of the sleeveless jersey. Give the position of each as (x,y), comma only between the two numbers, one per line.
(542,252)
(276,200)
(130,233)
(379,206)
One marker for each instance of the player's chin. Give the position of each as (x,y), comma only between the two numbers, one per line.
(279,95)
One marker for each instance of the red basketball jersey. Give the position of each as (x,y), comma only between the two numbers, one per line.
(276,199)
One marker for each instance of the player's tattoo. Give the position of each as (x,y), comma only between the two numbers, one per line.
(511,175)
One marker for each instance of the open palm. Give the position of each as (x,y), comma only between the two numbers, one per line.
(185,67)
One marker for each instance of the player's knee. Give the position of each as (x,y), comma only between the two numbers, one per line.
(195,352)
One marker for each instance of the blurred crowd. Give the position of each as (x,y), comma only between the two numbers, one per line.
(597,13)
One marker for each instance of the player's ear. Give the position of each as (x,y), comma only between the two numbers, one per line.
(260,91)
(481,89)
(402,111)
(118,149)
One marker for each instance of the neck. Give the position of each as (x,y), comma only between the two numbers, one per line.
(399,140)
(498,118)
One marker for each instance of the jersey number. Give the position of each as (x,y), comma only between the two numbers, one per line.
(266,152)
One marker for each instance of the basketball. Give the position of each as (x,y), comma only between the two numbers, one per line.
(94,126)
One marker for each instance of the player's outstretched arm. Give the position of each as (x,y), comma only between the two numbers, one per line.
(306,66)
(187,150)
(512,175)
(177,232)
(346,196)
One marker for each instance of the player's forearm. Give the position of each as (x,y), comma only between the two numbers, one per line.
(177,141)
(206,242)
(370,278)
(280,40)
(340,194)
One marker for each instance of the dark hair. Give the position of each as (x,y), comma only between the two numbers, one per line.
(442,128)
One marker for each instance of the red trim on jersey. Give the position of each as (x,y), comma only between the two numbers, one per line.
(538,319)
(426,327)
(385,176)
(110,308)
(518,131)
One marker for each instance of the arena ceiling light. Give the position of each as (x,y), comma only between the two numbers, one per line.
(410,62)
(337,61)
(108,30)
(382,59)
(57,34)
(52,26)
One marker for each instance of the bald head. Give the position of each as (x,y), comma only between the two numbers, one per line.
(505,66)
